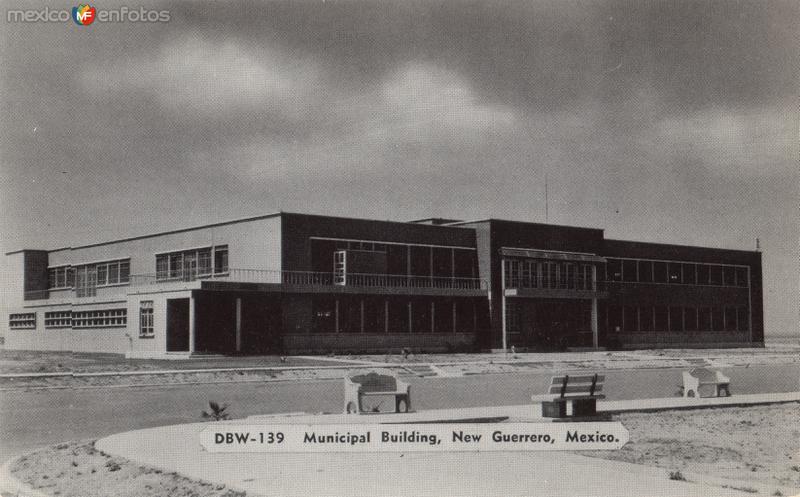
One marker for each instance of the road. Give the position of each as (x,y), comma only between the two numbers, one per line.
(31,419)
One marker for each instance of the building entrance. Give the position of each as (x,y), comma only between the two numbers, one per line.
(549,324)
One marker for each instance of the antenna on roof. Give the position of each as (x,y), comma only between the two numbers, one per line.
(758,245)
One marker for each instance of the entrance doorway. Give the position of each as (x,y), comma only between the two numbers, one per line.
(556,324)
(178,325)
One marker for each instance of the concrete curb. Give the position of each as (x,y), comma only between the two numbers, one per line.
(11,486)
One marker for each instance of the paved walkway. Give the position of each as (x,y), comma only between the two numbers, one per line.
(177,448)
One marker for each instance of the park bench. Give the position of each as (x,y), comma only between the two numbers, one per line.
(702,382)
(356,387)
(575,398)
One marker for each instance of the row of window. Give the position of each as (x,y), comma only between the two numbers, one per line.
(22,321)
(363,246)
(677,318)
(530,273)
(106,318)
(88,276)
(188,265)
(679,273)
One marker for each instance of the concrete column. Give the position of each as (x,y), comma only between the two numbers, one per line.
(503,301)
(336,315)
(595,338)
(238,324)
(386,316)
(433,317)
(191,323)
(362,316)
(455,321)
(410,321)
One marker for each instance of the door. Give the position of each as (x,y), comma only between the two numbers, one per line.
(178,325)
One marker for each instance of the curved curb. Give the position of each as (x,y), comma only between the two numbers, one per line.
(11,485)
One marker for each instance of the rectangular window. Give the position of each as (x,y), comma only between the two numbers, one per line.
(512,317)
(22,321)
(646,318)
(675,272)
(552,274)
(58,319)
(221,259)
(512,273)
(675,319)
(162,266)
(103,273)
(659,272)
(631,318)
(614,318)
(717,319)
(704,319)
(59,277)
(741,276)
(690,319)
(729,275)
(106,318)
(629,270)
(715,275)
(730,319)
(614,270)
(661,318)
(646,271)
(146,319)
(702,274)
(529,274)
(743,318)
(689,276)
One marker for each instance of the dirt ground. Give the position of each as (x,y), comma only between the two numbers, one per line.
(759,444)
(77,469)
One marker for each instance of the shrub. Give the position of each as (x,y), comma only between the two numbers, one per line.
(677,476)
(217,412)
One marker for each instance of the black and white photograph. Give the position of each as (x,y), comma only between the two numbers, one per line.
(394,248)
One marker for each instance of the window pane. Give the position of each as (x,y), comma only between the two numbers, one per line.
(113,272)
(690,319)
(614,270)
(646,318)
(702,274)
(730,319)
(102,274)
(661,318)
(675,319)
(704,319)
(204,261)
(660,272)
(629,270)
(717,319)
(729,275)
(689,277)
(646,271)
(631,318)
(124,271)
(221,259)
(743,318)
(675,272)
(614,318)
(741,276)
(162,266)
(715,275)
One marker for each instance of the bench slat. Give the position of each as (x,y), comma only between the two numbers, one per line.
(575,389)
(558,380)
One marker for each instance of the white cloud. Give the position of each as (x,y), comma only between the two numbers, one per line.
(194,75)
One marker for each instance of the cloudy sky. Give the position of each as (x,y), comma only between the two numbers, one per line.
(662,121)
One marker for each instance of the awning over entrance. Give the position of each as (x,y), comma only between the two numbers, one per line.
(550,255)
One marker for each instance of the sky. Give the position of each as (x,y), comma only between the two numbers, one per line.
(661,121)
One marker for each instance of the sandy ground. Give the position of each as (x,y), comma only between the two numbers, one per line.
(759,444)
(748,446)
(77,469)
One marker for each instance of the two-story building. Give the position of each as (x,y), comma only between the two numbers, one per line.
(306,283)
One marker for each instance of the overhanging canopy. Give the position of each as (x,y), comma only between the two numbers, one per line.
(551,255)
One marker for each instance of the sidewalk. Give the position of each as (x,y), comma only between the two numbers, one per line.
(177,448)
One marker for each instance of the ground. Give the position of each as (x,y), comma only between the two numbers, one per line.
(756,444)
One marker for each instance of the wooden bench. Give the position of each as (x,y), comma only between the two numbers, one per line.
(356,387)
(702,382)
(576,398)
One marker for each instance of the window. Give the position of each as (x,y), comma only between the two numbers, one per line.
(614,270)
(59,277)
(58,319)
(702,274)
(675,272)
(729,275)
(512,317)
(191,264)
(106,318)
(741,276)
(715,275)
(646,318)
(690,319)
(717,319)
(704,319)
(552,274)
(629,270)
(146,319)
(661,318)
(689,276)
(23,321)
(631,318)
(730,319)
(659,272)
(88,276)
(675,319)
(646,271)
(743,318)
(614,318)
(529,274)
(512,273)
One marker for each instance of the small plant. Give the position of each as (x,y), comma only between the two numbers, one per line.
(677,476)
(777,493)
(216,412)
